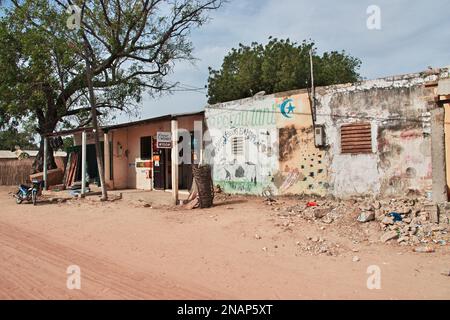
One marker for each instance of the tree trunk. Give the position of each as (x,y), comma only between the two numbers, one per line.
(38,164)
(92,102)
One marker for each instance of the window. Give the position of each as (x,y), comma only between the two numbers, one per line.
(146,148)
(237,146)
(356,138)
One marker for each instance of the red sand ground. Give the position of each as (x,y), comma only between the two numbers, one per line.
(126,251)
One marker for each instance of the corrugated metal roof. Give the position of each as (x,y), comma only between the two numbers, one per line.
(6,154)
(443,87)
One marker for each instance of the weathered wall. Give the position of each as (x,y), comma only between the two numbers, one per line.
(280,156)
(447,143)
(302,166)
(130,138)
(398,110)
(253,120)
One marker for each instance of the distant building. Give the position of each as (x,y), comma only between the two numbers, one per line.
(16,166)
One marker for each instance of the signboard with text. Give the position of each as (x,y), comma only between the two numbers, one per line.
(164,140)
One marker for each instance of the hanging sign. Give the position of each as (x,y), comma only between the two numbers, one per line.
(164,140)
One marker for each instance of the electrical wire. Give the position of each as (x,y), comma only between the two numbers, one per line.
(182,87)
(190,88)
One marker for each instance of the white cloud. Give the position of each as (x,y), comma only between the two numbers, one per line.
(414,35)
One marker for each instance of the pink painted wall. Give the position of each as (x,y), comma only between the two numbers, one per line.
(124,174)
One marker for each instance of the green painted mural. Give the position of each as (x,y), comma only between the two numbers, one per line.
(236,117)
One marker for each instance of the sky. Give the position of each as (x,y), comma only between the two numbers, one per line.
(414,34)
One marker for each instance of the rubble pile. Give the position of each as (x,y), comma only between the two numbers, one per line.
(326,211)
(318,245)
(411,221)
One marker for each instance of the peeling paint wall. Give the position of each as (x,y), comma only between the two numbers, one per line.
(398,110)
(280,156)
(302,166)
(283,159)
(251,169)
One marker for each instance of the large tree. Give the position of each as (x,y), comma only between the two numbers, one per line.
(11,137)
(280,65)
(132,46)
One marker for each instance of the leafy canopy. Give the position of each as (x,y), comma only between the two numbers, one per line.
(133,45)
(280,65)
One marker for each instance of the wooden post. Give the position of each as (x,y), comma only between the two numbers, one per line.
(198,136)
(174,130)
(83,163)
(45,165)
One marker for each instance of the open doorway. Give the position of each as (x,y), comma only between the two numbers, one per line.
(162,169)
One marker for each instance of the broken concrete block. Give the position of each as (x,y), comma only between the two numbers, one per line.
(389,236)
(424,249)
(387,220)
(320,213)
(432,212)
(366,216)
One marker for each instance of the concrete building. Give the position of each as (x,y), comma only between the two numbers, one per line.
(132,157)
(382,137)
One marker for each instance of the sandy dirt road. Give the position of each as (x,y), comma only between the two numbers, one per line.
(128,251)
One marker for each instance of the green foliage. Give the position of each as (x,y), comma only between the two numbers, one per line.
(68,143)
(12,137)
(132,46)
(280,65)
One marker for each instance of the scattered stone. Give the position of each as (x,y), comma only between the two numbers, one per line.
(388,220)
(446,273)
(257,237)
(365,207)
(356,259)
(366,216)
(389,236)
(323,249)
(437,228)
(376,205)
(424,249)
(320,213)
(407,220)
(270,200)
(264,249)
(327,220)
